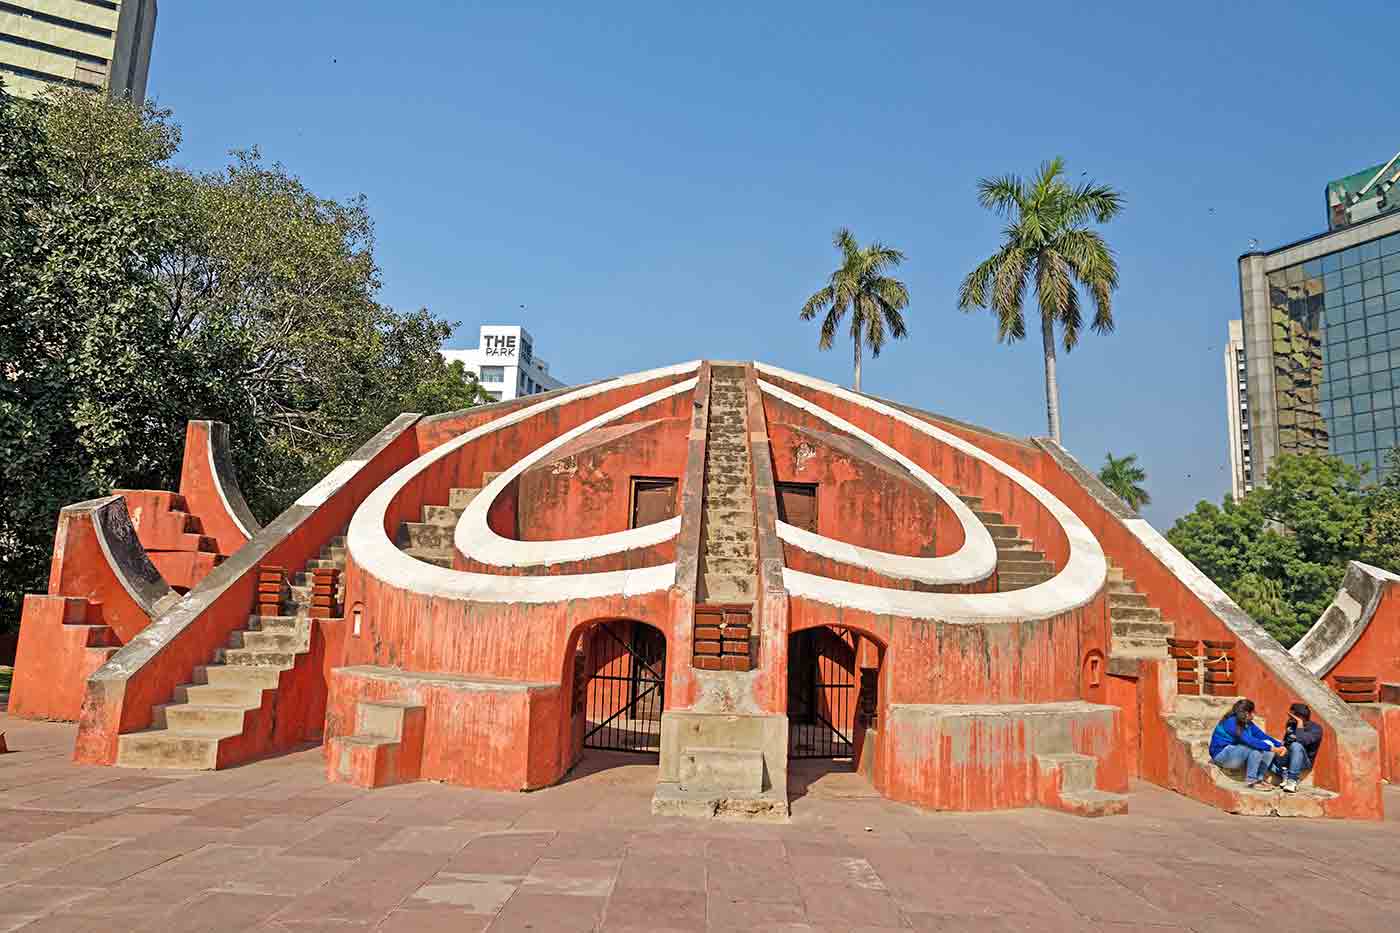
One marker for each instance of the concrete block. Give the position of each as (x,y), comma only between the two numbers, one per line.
(736,770)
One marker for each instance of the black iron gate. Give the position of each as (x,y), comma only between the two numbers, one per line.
(626,694)
(821,695)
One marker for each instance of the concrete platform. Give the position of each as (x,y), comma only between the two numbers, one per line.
(270,846)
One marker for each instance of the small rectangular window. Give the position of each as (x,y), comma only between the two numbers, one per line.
(653,500)
(493,374)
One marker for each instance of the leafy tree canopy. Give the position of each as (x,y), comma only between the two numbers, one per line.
(1281,551)
(1126,478)
(137,296)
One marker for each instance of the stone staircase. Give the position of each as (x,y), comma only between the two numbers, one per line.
(1019,564)
(1139,633)
(387,747)
(1191,722)
(227,714)
(1067,782)
(431,539)
(728,561)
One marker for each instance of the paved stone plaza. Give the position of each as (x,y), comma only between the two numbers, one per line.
(271,846)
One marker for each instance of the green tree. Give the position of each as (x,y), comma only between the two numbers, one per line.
(1047,241)
(1125,477)
(1281,551)
(860,285)
(1381,541)
(137,296)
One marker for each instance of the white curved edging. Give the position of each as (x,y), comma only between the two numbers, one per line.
(373,552)
(474,537)
(1081,579)
(975,560)
(1345,619)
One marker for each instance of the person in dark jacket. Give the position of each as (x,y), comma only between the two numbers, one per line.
(1238,743)
(1302,738)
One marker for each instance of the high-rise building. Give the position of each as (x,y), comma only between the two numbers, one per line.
(1322,340)
(1237,413)
(505,363)
(104,45)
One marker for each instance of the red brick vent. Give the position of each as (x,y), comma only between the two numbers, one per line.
(724,638)
(272,589)
(325,583)
(1355,689)
(1185,651)
(1219,658)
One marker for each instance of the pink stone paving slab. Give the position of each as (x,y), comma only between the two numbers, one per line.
(270,847)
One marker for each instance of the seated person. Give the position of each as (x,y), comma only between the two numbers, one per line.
(1302,738)
(1238,742)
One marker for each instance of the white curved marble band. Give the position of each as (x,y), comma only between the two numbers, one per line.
(975,560)
(373,552)
(1077,583)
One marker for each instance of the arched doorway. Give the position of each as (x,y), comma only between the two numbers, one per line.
(624,686)
(833,704)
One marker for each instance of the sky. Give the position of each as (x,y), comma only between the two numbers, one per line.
(641,184)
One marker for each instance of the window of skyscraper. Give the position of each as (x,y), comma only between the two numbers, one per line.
(1336,350)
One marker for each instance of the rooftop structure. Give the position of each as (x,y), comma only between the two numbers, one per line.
(505,363)
(98,44)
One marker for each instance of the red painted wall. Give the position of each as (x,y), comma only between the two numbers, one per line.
(586,489)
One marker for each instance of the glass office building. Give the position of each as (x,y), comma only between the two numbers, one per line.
(1322,345)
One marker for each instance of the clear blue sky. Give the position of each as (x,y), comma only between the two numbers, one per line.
(657,182)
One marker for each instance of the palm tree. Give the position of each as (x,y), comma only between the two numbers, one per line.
(860,286)
(1048,241)
(1125,477)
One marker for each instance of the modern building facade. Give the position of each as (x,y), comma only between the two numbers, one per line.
(1321,328)
(1237,412)
(505,363)
(104,45)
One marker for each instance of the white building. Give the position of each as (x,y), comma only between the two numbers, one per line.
(505,363)
(1237,413)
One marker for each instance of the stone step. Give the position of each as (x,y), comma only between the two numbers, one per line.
(442,515)
(459,499)
(275,641)
(728,566)
(1022,554)
(1136,614)
(972,502)
(249,657)
(1003,531)
(200,718)
(729,518)
(1138,646)
(719,588)
(321,564)
(280,624)
(216,695)
(244,676)
(1095,802)
(1116,599)
(989,518)
(1041,568)
(442,557)
(1139,628)
(423,535)
(1019,581)
(162,748)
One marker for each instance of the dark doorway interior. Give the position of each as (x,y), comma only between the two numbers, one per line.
(797,505)
(653,500)
(822,695)
(625,694)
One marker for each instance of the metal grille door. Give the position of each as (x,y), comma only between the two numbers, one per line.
(821,695)
(626,693)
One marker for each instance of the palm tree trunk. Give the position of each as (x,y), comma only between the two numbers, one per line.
(857,385)
(1052,387)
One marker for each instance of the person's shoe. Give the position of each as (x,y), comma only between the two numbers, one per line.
(1290,786)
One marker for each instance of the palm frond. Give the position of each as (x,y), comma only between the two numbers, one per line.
(819,300)
(1001,194)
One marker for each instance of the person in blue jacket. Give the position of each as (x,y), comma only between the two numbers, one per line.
(1237,742)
